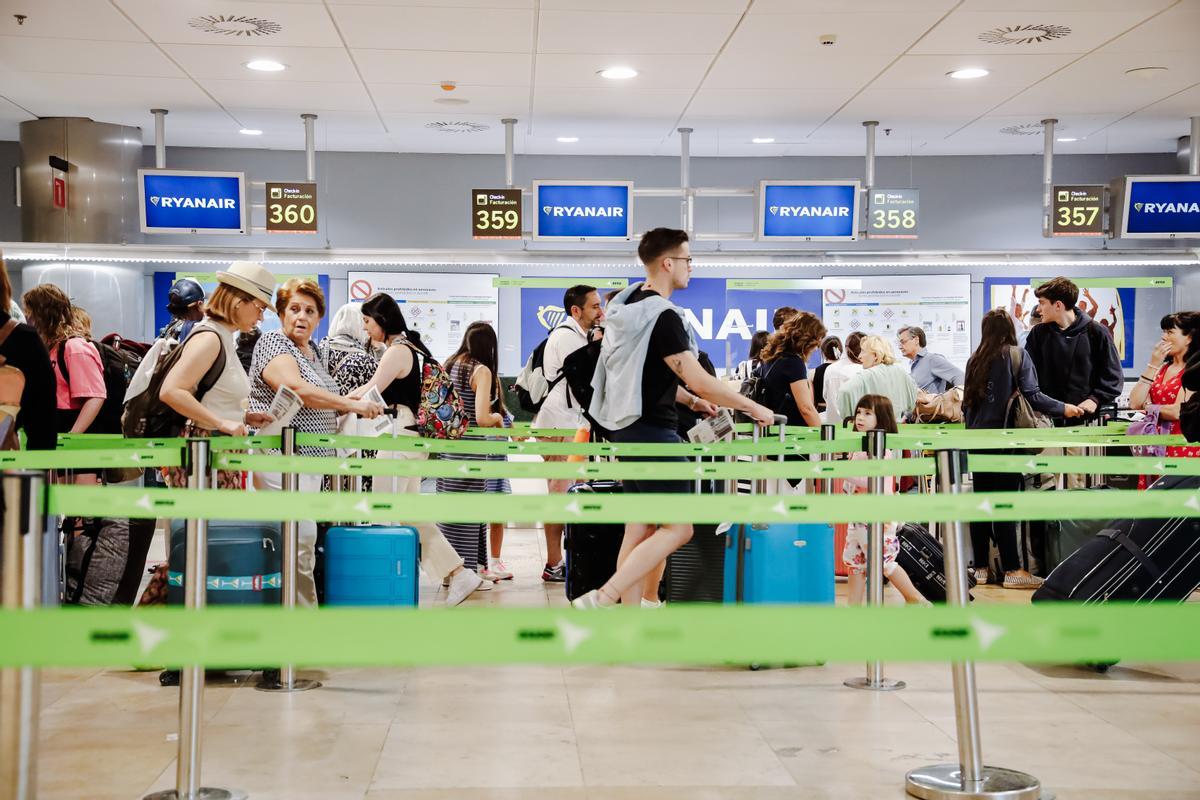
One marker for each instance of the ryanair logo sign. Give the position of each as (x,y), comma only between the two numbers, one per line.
(185,201)
(583,211)
(1167,208)
(1162,207)
(193,202)
(550,317)
(808,211)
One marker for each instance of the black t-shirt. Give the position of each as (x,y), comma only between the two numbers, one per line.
(659,383)
(25,350)
(779,375)
(819,385)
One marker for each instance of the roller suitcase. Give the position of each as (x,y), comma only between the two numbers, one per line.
(923,559)
(372,565)
(244,559)
(781,563)
(696,572)
(97,556)
(1133,560)
(591,549)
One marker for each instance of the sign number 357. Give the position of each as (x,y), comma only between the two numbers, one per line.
(894,218)
(496,220)
(1077,217)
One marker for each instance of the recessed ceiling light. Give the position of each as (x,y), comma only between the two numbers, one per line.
(967,73)
(451,101)
(265,65)
(250,132)
(763,140)
(1067,139)
(1145,72)
(618,73)
(567,139)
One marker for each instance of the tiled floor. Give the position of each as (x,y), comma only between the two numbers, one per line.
(624,733)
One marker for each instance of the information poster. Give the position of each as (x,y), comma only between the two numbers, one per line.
(1110,306)
(939,304)
(164,280)
(439,305)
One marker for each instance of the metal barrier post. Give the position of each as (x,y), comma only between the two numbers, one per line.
(825,485)
(289,569)
(876,447)
(191,678)
(969,778)
(24,526)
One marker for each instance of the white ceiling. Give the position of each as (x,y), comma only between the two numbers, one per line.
(730,69)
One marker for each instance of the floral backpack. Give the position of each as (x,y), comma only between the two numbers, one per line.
(441,414)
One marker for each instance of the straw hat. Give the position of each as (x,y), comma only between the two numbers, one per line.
(252,278)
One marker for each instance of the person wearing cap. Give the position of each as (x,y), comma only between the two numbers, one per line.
(185,302)
(243,293)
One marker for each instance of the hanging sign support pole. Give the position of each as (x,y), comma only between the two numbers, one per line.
(160,137)
(310,148)
(1047,172)
(510,124)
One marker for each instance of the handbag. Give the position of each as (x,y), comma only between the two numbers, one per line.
(1019,413)
(1149,425)
(944,407)
(12,386)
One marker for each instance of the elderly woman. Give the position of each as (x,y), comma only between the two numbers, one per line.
(346,356)
(207,385)
(288,358)
(881,375)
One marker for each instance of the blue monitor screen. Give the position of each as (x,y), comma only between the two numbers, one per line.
(1162,208)
(809,211)
(179,202)
(583,211)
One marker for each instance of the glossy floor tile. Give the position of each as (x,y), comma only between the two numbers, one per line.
(624,732)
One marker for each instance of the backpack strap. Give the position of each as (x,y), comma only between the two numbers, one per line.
(213,373)
(1121,538)
(5,330)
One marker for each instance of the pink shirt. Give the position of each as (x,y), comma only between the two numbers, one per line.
(859,485)
(87,374)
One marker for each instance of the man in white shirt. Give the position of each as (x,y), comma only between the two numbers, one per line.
(560,409)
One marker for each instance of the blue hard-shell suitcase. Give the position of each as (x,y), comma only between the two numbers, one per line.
(244,560)
(784,563)
(372,565)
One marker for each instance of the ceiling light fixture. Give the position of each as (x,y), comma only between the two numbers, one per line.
(1067,139)
(250,132)
(265,65)
(763,140)
(618,73)
(967,73)
(567,139)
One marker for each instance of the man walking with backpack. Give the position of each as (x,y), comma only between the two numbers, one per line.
(648,355)
(559,409)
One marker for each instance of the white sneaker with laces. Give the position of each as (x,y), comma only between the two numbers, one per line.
(652,604)
(496,570)
(462,583)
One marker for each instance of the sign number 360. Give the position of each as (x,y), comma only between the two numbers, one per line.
(893,218)
(496,220)
(292,213)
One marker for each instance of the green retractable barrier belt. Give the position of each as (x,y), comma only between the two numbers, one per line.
(625,470)
(1095,465)
(111,501)
(235,637)
(413,444)
(118,443)
(970,441)
(85,459)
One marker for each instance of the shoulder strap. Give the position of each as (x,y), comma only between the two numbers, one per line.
(213,374)
(6,329)
(60,357)
(1015,359)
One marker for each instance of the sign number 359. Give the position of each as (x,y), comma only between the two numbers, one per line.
(496,220)
(894,218)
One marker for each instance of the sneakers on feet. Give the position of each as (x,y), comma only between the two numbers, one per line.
(462,583)
(555,574)
(1026,581)
(496,571)
(981,576)
(589,600)
(651,603)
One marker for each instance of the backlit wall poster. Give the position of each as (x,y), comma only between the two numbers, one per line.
(162,288)
(939,304)
(1111,307)
(439,305)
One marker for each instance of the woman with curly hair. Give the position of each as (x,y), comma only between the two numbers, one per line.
(784,370)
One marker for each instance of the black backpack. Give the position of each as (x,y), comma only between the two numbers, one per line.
(118,365)
(754,386)
(531,385)
(146,416)
(578,369)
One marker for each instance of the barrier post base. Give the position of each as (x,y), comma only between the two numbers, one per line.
(298,685)
(205,793)
(944,782)
(882,685)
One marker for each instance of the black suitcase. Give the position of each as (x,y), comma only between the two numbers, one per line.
(592,549)
(923,559)
(1144,559)
(696,572)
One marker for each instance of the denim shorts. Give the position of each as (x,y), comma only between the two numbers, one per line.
(640,432)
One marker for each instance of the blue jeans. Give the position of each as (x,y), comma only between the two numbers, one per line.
(642,433)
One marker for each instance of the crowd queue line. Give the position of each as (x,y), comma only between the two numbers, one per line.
(649,382)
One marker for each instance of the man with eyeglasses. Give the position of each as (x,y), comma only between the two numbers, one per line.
(648,355)
(931,372)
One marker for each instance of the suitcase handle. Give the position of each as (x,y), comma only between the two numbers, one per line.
(1122,539)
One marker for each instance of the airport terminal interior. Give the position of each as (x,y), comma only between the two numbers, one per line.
(481,285)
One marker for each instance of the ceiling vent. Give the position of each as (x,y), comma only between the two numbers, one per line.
(235,25)
(1026,129)
(1024,34)
(457,127)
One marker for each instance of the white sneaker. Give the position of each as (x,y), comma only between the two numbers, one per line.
(496,571)
(589,600)
(462,583)
(649,604)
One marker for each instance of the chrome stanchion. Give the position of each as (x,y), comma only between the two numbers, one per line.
(825,485)
(969,778)
(24,527)
(876,447)
(191,678)
(289,569)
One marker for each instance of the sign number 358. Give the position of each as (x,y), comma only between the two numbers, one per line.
(496,220)
(894,218)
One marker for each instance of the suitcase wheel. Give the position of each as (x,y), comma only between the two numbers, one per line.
(168,677)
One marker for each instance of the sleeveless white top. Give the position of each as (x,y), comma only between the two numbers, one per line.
(229,396)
